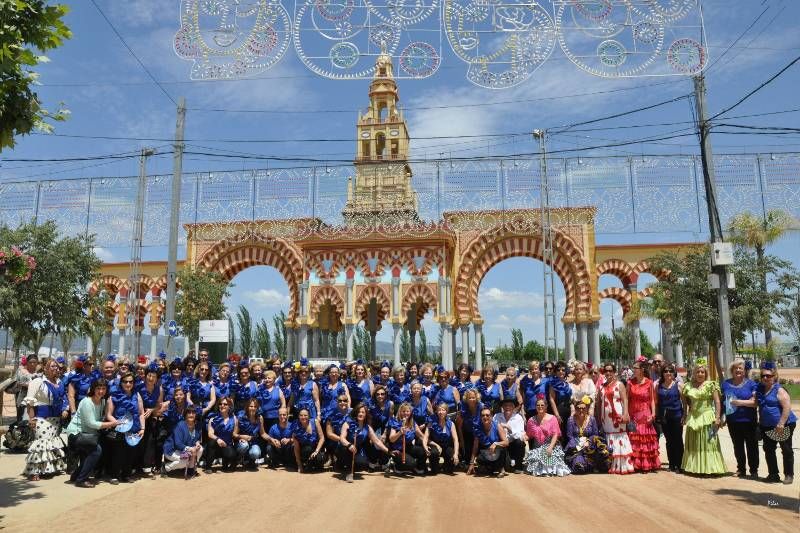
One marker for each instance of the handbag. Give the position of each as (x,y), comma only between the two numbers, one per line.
(86,440)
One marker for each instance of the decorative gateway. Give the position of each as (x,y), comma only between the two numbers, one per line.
(502,42)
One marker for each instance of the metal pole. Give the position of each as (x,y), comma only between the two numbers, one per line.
(548,253)
(136,251)
(174,216)
(714,223)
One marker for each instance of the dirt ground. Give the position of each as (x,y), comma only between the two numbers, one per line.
(289,502)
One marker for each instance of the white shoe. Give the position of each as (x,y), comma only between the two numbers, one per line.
(349,478)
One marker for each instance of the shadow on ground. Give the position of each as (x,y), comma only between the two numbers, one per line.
(15,491)
(762,499)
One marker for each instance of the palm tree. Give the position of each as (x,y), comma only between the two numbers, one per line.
(245,331)
(754,232)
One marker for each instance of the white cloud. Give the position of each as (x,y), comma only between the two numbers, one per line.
(495,298)
(504,322)
(267,298)
(103,254)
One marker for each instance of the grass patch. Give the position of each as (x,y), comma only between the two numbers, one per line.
(793,389)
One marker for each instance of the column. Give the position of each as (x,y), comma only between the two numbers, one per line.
(289,348)
(637,339)
(678,349)
(121,350)
(373,348)
(412,335)
(325,352)
(595,343)
(396,342)
(107,342)
(465,344)
(453,350)
(569,341)
(302,340)
(153,343)
(412,325)
(478,345)
(666,348)
(334,346)
(187,347)
(583,343)
(447,354)
(348,338)
(137,343)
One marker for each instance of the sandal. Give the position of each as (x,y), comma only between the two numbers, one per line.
(34,477)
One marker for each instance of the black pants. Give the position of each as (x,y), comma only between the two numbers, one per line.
(415,459)
(214,451)
(283,455)
(446,454)
(89,455)
(516,453)
(121,458)
(493,467)
(305,457)
(786,451)
(673,434)
(469,439)
(745,439)
(345,458)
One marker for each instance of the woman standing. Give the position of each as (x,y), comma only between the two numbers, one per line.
(308,441)
(489,446)
(182,448)
(244,390)
(306,393)
(380,410)
(670,414)
(26,372)
(222,383)
(203,394)
(330,393)
(126,404)
(642,408)
(582,385)
(152,395)
(429,387)
(612,404)
(80,382)
(560,396)
(546,457)
(286,381)
(355,437)
(412,371)
(510,385)
(775,414)
(702,454)
(47,405)
(491,391)
(82,436)
(586,451)
(400,391)
(271,399)
(531,386)
(220,437)
(740,410)
(247,428)
(173,380)
(443,436)
(361,386)
(448,395)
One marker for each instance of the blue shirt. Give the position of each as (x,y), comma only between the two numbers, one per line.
(744,391)
(270,401)
(127,405)
(530,390)
(278,433)
(181,437)
(769,407)
(669,402)
(223,429)
(420,410)
(441,434)
(303,435)
(487,439)
(247,426)
(446,395)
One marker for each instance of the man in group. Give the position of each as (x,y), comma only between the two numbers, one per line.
(515,431)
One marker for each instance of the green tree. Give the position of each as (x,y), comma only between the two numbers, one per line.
(533,350)
(756,233)
(245,322)
(362,345)
(231,333)
(607,349)
(56,295)
(27,29)
(279,333)
(200,298)
(648,350)
(789,314)
(517,345)
(96,319)
(503,354)
(405,344)
(263,343)
(422,351)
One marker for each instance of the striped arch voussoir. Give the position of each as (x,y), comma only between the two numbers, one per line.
(620,295)
(367,294)
(616,267)
(416,292)
(645,266)
(324,294)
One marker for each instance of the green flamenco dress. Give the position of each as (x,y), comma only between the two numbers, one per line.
(702,454)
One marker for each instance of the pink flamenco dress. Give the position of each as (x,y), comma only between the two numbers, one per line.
(616,434)
(645,440)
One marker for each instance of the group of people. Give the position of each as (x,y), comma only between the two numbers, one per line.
(128,420)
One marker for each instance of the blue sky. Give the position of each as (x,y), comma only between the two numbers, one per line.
(109,94)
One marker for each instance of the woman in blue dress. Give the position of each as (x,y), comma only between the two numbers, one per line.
(248,428)
(775,414)
(355,441)
(421,408)
(222,382)
(305,394)
(78,384)
(152,396)
(331,391)
(531,386)
(280,444)
(360,386)
(220,443)
(468,418)
(403,435)
(447,394)
(412,372)
(172,412)
(202,392)
(333,425)
(271,398)
(560,396)
(429,387)
(182,448)
(384,375)
(443,440)
(400,391)
(308,442)
(462,380)
(489,446)
(740,413)
(510,386)
(286,382)
(491,391)
(174,379)
(127,403)
(244,390)
(669,413)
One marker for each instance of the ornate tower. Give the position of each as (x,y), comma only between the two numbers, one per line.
(382,184)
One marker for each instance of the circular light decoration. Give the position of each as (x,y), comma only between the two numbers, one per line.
(344,55)
(613,21)
(225,39)
(686,56)
(645,32)
(382,34)
(403,12)
(335,10)
(611,53)
(419,59)
(596,10)
(661,11)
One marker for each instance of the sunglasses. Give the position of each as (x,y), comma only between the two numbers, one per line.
(342,401)
(486,416)
(127,381)
(767,376)
(669,371)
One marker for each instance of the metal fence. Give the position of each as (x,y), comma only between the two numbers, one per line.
(649,194)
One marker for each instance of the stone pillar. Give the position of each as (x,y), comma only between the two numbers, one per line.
(348,338)
(302,340)
(465,344)
(569,341)
(412,335)
(137,342)
(478,345)
(334,346)
(187,347)
(373,348)
(153,343)
(325,352)
(595,343)
(89,346)
(107,341)
(289,348)
(678,349)
(637,339)
(453,350)
(666,348)
(397,330)
(583,341)
(447,347)
(121,350)
(396,294)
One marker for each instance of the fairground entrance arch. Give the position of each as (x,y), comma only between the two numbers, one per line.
(384,264)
